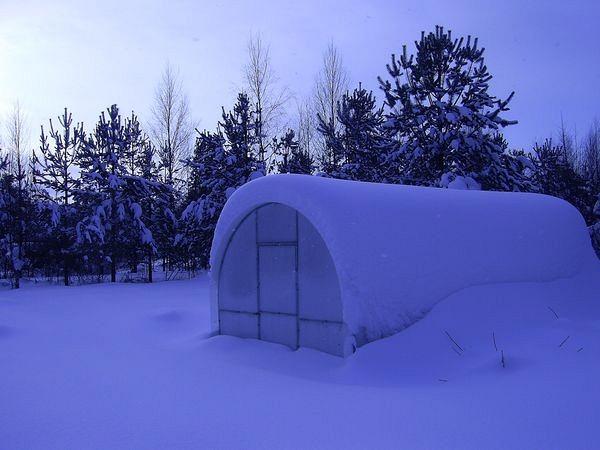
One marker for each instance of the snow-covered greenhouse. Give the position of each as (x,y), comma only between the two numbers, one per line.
(314,262)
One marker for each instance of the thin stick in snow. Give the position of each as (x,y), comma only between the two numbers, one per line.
(553,312)
(456,351)
(442,380)
(452,339)
(564,340)
(581,348)
(502,360)
(494,339)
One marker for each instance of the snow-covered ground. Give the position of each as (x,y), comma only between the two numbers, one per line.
(130,366)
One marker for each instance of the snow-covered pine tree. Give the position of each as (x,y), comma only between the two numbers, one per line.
(222,162)
(19,217)
(556,175)
(293,158)
(207,194)
(442,116)
(511,170)
(595,228)
(111,195)
(55,175)
(156,205)
(239,128)
(358,145)
(201,164)
(19,212)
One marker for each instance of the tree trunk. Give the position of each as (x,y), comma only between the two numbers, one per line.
(66,271)
(150,266)
(113,270)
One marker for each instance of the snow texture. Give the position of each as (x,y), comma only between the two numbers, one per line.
(399,250)
(129,366)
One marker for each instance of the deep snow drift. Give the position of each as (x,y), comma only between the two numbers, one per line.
(130,366)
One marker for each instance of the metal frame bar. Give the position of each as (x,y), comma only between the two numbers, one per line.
(259,333)
(296,270)
(300,319)
(277,244)
(235,311)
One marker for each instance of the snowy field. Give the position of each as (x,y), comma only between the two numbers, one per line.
(130,366)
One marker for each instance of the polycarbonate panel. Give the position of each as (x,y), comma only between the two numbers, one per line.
(258,277)
(324,336)
(238,284)
(277,275)
(318,287)
(243,325)
(276,223)
(279,328)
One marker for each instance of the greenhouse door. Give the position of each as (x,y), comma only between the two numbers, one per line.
(278,293)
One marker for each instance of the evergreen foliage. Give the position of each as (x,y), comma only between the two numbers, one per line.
(357,146)
(556,175)
(442,117)
(19,218)
(293,158)
(54,175)
(110,194)
(222,162)
(110,199)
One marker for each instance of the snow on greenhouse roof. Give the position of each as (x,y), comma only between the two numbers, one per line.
(398,250)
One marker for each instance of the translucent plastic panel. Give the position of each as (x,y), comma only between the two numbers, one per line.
(239,324)
(279,328)
(276,223)
(325,336)
(277,272)
(238,282)
(318,287)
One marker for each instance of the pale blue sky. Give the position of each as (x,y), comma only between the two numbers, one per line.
(87,55)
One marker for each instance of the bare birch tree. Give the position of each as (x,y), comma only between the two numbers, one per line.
(590,158)
(306,127)
(330,84)
(18,209)
(268,97)
(17,138)
(171,126)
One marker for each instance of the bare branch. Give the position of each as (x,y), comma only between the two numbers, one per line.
(330,85)
(265,92)
(171,127)
(18,135)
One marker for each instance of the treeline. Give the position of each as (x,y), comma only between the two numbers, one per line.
(121,198)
